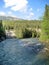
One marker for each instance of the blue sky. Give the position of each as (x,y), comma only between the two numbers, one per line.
(24,9)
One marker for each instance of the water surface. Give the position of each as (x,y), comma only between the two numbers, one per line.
(21,52)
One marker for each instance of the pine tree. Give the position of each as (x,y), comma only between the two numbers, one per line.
(45,25)
(2,32)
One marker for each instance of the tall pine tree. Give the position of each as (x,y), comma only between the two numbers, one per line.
(45,25)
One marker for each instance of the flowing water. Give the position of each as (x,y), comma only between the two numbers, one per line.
(21,52)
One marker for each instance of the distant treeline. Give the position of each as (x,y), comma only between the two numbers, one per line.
(21,24)
(23,27)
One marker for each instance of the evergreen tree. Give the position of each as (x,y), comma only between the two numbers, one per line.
(2,32)
(45,25)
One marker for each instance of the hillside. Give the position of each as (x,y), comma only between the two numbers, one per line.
(8,18)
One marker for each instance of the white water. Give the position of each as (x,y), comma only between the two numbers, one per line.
(21,52)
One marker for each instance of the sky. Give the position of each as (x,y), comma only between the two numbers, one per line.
(24,9)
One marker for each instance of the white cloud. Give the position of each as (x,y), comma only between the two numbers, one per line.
(29,16)
(16,4)
(9,12)
(2,13)
(38,9)
(24,10)
(31,13)
(13,15)
(20,6)
(31,9)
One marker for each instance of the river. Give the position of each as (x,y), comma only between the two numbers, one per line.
(22,52)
